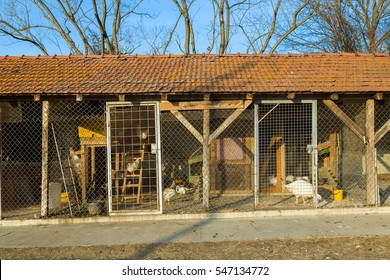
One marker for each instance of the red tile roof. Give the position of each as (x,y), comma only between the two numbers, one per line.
(177,74)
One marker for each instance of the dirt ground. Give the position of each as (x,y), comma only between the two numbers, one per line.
(323,248)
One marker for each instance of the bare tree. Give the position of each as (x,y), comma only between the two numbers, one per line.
(94,26)
(268,24)
(223,21)
(350,26)
(372,17)
(189,41)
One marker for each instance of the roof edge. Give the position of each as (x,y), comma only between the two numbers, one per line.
(125,56)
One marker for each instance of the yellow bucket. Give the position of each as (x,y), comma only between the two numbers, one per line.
(64,197)
(337,195)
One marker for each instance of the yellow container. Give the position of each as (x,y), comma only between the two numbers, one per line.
(337,195)
(64,197)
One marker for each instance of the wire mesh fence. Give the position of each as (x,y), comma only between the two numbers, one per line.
(89,172)
(77,159)
(341,156)
(20,158)
(133,158)
(285,155)
(382,119)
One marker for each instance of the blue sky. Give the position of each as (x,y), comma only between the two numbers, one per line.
(167,15)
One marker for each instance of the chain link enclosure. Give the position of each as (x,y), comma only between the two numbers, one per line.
(79,170)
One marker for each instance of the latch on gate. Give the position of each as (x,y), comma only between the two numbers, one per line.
(153,148)
(310,148)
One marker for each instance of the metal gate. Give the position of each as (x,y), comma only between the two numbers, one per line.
(134,160)
(286,143)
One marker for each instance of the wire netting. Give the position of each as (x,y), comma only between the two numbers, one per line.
(341,162)
(382,119)
(285,157)
(79,169)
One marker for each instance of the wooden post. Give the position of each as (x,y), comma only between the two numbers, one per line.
(280,167)
(93,183)
(206,157)
(1,158)
(370,152)
(333,155)
(116,174)
(84,172)
(45,156)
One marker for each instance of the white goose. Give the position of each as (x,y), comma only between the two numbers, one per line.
(168,193)
(302,188)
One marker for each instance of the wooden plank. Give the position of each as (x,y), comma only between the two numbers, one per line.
(378,96)
(291,96)
(188,125)
(93,168)
(116,173)
(206,159)
(1,159)
(370,152)
(280,167)
(45,155)
(228,121)
(201,105)
(382,131)
(275,140)
(334,96)
(333,154)
(342,116)
(84,172)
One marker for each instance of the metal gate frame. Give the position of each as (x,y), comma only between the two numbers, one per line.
(114,104)
(311,148)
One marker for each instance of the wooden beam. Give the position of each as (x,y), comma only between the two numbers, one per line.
(84,172)
(280,167)
(202,105)
(334,96)
(378,96)
(1,159)
(79,97)
(291,96)
(382,131)
(334,166)
(370,152)
(93,166)
(122,97)
(206,159)
(228,122)
(37,97)
(45,156)
(342,116)
(188,125)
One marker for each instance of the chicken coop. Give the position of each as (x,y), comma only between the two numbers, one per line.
(135,135)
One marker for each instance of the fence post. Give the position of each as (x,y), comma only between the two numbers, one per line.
(1,159)
(206,156)
(45,154)
(370,152)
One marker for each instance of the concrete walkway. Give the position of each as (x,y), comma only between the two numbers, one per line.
(197,229)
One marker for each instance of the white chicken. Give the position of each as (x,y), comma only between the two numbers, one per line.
(168,193)
(273,180)
(290,179)
(133,166)
(182,190)
(302,188)
(306,178)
